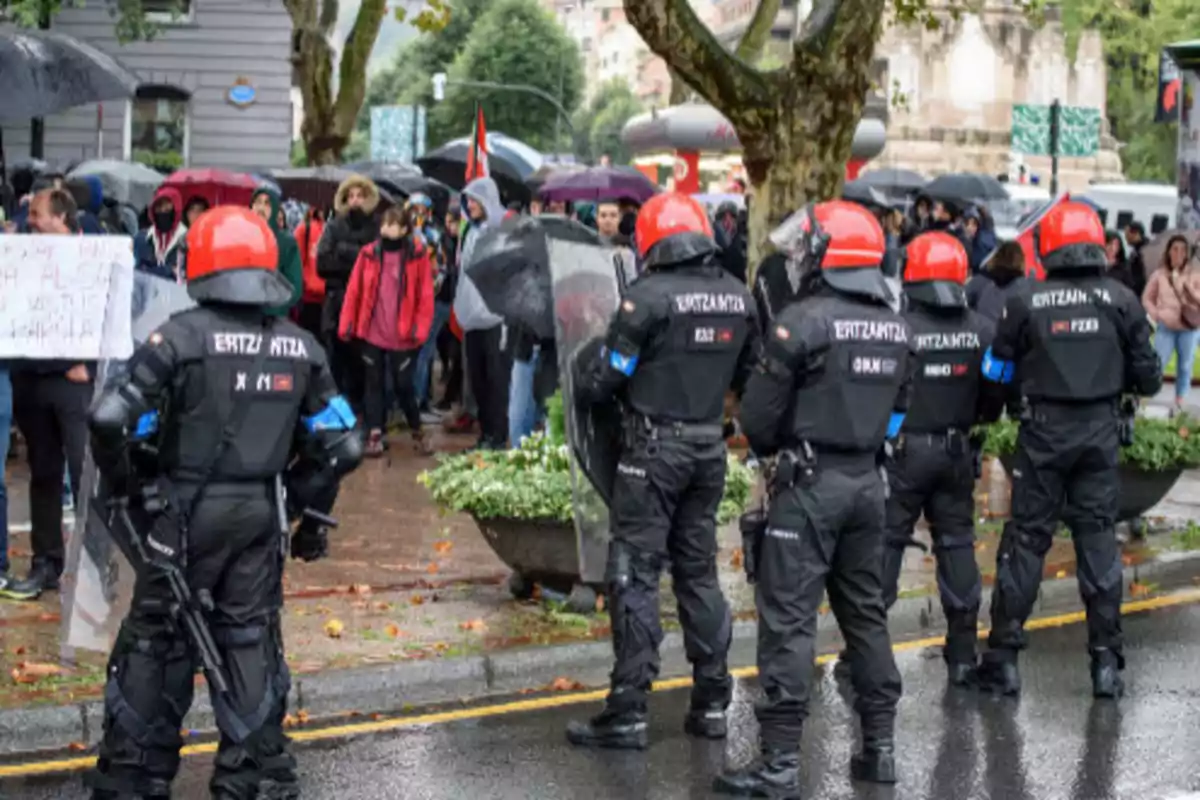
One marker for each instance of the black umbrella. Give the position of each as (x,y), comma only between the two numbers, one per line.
(408,185)
(448,164)
(510,266)
(893,181)
(965,188)
(47,72)
(316,186)
(864,195)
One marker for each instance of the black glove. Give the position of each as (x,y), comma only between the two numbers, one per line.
(310,542)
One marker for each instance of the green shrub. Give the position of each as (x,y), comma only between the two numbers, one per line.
(533,482)
(1158,444)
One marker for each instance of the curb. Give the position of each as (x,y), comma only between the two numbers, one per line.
(394,687)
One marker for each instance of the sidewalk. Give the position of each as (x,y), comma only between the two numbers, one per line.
(413,608)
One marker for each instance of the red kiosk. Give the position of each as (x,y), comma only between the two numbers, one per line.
(693,128)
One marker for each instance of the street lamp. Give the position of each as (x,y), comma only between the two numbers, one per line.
(441,81)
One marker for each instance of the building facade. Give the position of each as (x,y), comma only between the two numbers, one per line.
(215,92)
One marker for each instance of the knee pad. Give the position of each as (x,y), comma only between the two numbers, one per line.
(631,566)
(258,655)
(695,570)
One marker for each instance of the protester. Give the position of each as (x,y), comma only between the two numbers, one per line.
(88,194)
(308,237)
(267,205)
(1135,237)
(1118,263)
(987,291)
(730,240)
(156,249)
(196,205)
(488,367)
(6,422)
(387,313)
(443,297)
(351,228)
(978,236)
(1172,301)
(50,403)
(449,348)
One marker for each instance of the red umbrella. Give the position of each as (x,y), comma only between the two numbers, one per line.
(217,186)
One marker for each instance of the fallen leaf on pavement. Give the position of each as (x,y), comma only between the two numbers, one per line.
(599,603)
(392,630)
(324,610)
(476,625)
(38,670)
(417,599)
(48,618)
(376,716)
(1127,560)
(1062,573)
(564,685)
(432,568)
(302,716)
(334,628)
(440,647)
(77,747)
(301,612)
(737,558)
(1138,589)
(289,721)
(383,606)
(19,651)
(360,589)
(443,547)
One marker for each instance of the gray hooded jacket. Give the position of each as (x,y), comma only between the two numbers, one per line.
(473,314)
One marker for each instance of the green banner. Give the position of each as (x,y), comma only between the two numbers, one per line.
(1079,131)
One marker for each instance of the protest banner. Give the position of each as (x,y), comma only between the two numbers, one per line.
(66,297)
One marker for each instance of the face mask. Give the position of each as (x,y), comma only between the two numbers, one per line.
(391,245)
(164,221)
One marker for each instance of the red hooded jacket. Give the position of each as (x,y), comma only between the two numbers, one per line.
(416,304)
(314,286)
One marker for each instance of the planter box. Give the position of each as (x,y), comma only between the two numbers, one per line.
(540,552)
(1140,490)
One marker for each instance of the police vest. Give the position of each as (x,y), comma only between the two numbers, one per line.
(688,366)
(856,370)
(223,369)
(945,391)
(1075,352)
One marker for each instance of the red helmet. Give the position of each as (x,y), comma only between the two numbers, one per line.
(841,239)
(1071,235)
(673,227)
(935,269)
(232,256)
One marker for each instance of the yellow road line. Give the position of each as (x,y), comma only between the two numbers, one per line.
(558,701)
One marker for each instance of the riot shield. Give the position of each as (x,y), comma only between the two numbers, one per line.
(97,580)
(586,291)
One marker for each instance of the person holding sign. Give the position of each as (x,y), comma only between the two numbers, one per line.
(50,401)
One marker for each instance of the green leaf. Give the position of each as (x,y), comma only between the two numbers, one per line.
(1158,444)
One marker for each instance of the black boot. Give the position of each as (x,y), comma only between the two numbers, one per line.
(776,775)
(961,674)
(1106,674)
(841,667)
(876,763)
(706,722)
(998,673)
(43,577)
(617,730)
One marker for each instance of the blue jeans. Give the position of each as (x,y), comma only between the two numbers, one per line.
(523,412)
(441,315)
(1183,345)
(6,419)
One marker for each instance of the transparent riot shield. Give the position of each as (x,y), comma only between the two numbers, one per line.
(97,581)
(587,283)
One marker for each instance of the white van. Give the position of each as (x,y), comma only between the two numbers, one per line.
(1152,204)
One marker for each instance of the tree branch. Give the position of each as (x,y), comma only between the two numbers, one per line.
(672,30)
(352,71)
(818,27)
(758,31)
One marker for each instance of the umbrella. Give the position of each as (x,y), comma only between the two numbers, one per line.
(865,195)
(448,164)
(965,188)
(47,72)
(510,267)
(542,173)
(403,180)
(125,181)
(893,181)
(521,157)
(217,186)
(316,186)
(599,183)
(384,169)
(1153,250)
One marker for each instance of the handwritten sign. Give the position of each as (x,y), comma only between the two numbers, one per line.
(66,296)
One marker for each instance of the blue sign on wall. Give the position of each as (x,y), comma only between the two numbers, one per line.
(241,94)
(397,133)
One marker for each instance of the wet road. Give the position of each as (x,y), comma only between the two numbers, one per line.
(1055,744)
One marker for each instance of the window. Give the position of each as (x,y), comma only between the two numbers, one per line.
(158,127)
(168,10)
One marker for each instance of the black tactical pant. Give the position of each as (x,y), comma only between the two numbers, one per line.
(824,534)
(1066,468)
(664,506)
(934,474)
(234,552)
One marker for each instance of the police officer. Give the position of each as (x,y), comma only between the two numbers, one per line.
(239,398)
(830,388)
(933,470)
(1071,346)
(684,334)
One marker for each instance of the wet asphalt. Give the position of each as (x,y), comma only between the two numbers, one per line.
(1055,743)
